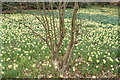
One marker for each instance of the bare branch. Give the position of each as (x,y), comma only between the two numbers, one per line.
(70,47)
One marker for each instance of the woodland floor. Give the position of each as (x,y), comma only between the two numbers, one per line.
(24,55)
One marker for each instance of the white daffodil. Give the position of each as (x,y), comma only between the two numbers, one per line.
(89,59)
(15,66)
(97,61)
(93,76)
(10,66)
(96,56)
(104,61)
(117,59)
(50,76)
(109,54)
(113,69)
(76,64)
(2,72)
(43,64)
(7,59)
(0,65)
(19,49)
(61,76)
(110,59)
(111,66)
(33,65)
(96,66)
(1,54)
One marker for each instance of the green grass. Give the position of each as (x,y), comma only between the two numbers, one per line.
(24,55)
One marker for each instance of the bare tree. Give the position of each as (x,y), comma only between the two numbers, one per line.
(54,31)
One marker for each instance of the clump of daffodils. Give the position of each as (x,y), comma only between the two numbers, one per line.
(73,68)
(15,66)
(47,57)
(56,64)
(110,59)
